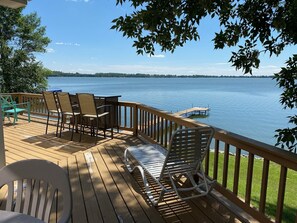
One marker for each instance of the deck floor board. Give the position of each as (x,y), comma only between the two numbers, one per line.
(120,207)
(151,213)
(133,205)
(104,201)
(102,188)
(79,210)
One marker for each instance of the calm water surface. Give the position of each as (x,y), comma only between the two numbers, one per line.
(246,106)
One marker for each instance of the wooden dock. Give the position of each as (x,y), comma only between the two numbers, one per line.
(193,111)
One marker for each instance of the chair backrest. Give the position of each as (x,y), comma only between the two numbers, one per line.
(33,186)
(6,101)
(86,103)
(50,100)
(187,150)
(64,102)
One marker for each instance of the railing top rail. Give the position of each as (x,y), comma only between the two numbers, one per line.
(28,94)
(269,152)
(128,103)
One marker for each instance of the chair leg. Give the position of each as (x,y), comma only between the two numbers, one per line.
(96,135)
(47,123)
(144,179)
(81,127)
(61,125)
(97,126)
(57,129)
(111,124)
(29,116)
(76,125)
(92,127)
(15,117)
(73,124)
(29,112)
(202,188)
(207,183)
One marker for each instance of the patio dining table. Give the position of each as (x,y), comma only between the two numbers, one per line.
(111,100)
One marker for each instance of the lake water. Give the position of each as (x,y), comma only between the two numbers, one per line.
(246,106)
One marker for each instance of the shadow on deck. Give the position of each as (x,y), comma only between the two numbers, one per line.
(103,190)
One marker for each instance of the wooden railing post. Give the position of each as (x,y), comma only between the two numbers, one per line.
(20,97)
(281,194)
(135,120)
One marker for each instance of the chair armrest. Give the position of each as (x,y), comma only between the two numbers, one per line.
(4,106)
(103,114)
(103,106)
(25,105)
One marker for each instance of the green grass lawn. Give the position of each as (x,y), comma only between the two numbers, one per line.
(290,203)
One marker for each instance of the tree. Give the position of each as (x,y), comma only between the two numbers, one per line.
(21,36)
(254,26)
(287,79)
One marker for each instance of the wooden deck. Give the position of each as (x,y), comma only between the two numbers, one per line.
(103,190)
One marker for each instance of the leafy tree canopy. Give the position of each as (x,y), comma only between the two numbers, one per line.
(21,36)
(254,26)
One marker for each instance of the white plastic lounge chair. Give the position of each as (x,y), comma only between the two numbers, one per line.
(184,157)
(33,186)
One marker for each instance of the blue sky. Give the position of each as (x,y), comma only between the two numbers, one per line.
(82,41)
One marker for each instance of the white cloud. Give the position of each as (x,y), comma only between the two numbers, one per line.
(50,50)
(156,56)
(67,44)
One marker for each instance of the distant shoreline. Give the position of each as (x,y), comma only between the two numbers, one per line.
(138,75)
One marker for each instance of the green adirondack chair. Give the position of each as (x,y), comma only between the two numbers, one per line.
(11,108)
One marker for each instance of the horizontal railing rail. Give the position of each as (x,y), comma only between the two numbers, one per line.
(37,104)
(259,178)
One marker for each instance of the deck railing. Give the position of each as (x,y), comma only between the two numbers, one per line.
(244,168)
(37,104)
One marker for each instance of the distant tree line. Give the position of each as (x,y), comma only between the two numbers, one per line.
(139,75)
